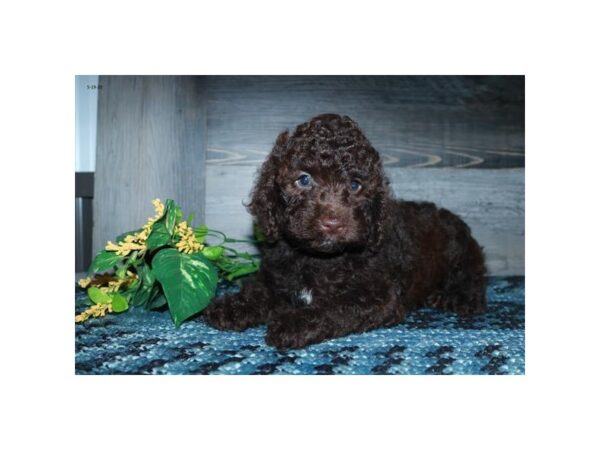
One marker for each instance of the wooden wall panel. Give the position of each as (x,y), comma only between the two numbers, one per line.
(414,121)
(151,144)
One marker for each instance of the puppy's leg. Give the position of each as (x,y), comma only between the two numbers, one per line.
(465,289)
(310,325)
(465,286)
(249,308)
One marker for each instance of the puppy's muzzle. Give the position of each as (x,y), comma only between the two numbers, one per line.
(332,225)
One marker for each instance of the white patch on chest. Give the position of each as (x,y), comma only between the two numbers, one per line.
(306,296)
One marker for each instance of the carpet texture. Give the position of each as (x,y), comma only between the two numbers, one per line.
(430,342)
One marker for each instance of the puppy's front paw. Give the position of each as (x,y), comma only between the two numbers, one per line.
(226,314)
(290,331)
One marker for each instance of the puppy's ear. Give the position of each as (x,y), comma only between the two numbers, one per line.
(265,202)
(379,209)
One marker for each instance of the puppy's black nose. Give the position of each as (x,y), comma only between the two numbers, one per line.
(331,225)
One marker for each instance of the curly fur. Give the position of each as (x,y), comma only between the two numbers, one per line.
(341,255)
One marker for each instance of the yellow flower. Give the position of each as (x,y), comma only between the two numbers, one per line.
(137,241)
(114,286)
(85,282)
(111,247)
(182,228)
(159,208)
(124,248)
(98,310)
(188,242)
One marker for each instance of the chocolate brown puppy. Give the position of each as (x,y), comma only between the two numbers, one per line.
(341,254)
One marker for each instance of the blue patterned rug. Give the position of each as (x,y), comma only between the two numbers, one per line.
(430,342)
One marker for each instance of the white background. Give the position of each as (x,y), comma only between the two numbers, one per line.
(44,44)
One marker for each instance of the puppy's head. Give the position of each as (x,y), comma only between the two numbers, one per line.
(322,188)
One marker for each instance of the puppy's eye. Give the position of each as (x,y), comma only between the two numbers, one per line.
(304,181)
(355,185)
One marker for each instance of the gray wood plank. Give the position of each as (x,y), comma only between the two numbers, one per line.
(151,144)
(431,121)
(490,201)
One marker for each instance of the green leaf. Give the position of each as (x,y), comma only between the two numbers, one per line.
(246,255)
(131,289)
(188,281)
(157,302)
(241,271)
(159,236)
(147,281)
(200,233)
(121,272)
(157,298)
(170,216)
(212,253)
(119,303)
(97,296)
(104,261)
(190,219)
